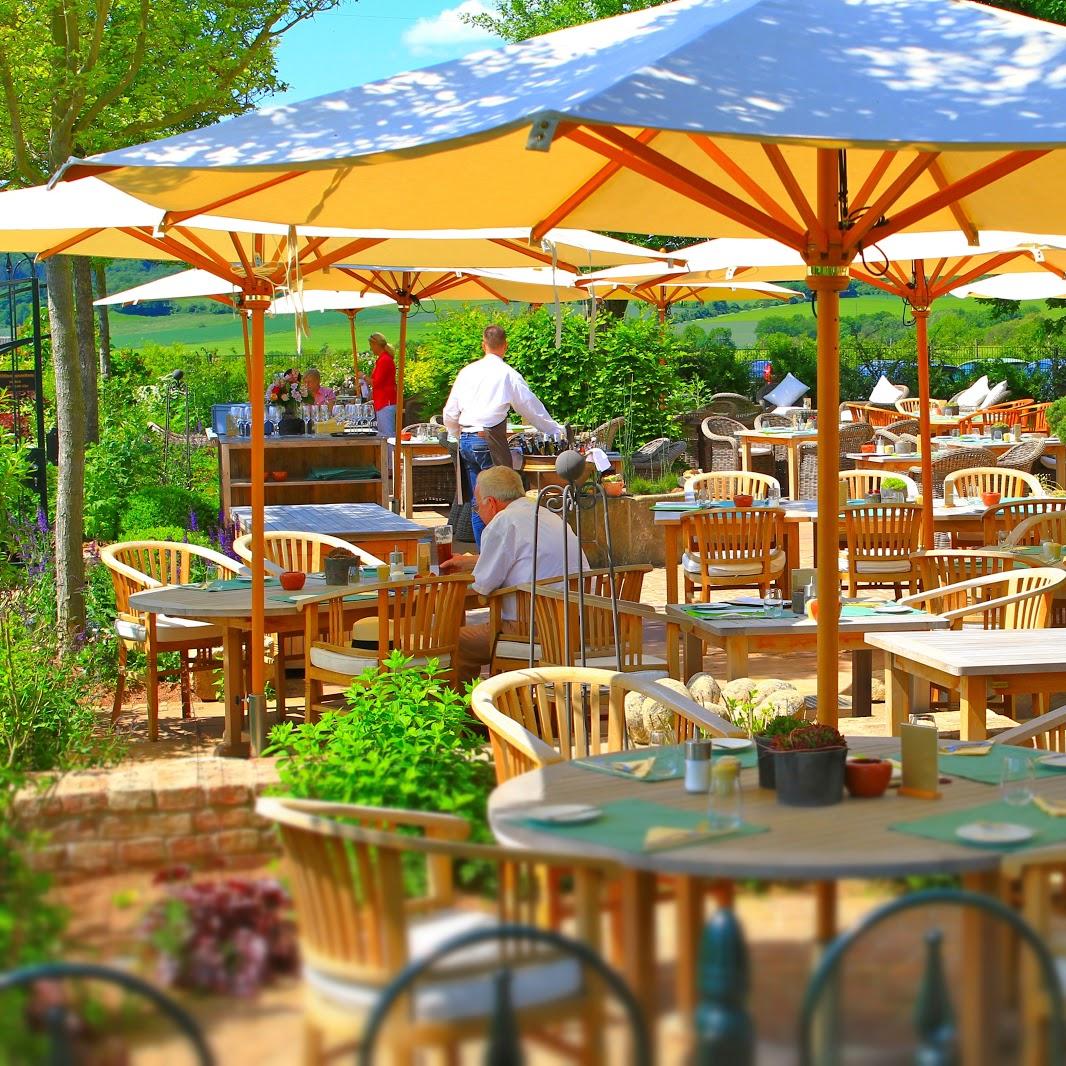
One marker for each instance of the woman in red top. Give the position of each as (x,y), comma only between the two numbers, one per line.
(383,384)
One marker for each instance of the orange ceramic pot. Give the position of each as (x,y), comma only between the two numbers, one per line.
(990,499)
(614,488)
(292,580)
(278,475)
(867,778)
(743,499)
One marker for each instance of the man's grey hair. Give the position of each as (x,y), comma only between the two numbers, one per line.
(501,483)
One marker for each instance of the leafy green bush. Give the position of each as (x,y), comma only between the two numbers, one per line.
(15,500)
(166,505)
(406,742)
(125,460)
(1056,417)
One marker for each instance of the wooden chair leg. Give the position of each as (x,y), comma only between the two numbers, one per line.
(153,693)
(279,680)
(120,684)
(186,685)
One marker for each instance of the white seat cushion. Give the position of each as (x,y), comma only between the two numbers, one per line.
(762,449)
(470,995)
(354,661)
(433,460)
(725,569)
(516,649)
(889,566)
(610,662)
(169,630)
(974,396)
(996,394)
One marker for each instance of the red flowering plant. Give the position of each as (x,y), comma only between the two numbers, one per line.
(288,391)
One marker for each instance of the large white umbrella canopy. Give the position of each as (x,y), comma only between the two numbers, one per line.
(1015,287)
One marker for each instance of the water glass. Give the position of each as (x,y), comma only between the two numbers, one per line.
(926,720)
(668,759)
(772,604)
(725,801)
(396,566)
(661,736)
(1001,540)
(1017,779)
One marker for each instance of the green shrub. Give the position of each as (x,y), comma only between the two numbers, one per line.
(166,505)
(1056,417)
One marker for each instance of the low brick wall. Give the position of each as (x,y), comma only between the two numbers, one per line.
(199,811)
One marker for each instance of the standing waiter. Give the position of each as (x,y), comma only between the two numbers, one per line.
(476,411)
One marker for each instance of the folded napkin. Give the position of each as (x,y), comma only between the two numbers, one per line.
(344,473)
(1053,807)
(664,837)
(629,767)
(964,748)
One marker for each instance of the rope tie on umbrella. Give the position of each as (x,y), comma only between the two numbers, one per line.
(557,310)
(296,291)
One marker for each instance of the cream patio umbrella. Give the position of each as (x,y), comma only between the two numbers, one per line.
(1014,287)
(824,124)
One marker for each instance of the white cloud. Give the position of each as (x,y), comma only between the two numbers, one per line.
(448,30)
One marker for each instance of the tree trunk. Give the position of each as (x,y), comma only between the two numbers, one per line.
(614,308)
(85,330)
(70,413)
(102,321)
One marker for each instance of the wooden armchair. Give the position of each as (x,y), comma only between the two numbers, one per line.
(878,417)
(1039,527)
(732,548)
(938,567)
(148,564)
(725,484)
(880,540)
(1018,599)
(912,405)
(296,550)
(374,890)
(860,483)
(973,481)
(1010,517)
(419,617)
(1046,732)
(539,717)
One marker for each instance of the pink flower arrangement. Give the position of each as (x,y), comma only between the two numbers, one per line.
(288,390)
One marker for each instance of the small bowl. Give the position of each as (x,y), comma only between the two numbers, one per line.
(991,499)
(278,475)
(867,449)
(867,778)
(743,499)
(292,580)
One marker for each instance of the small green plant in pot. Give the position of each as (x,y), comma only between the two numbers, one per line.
(893,490)
(809,766)
(998,429)
(778,726)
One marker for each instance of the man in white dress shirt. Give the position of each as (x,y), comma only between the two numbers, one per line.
(507,557)
(476,412)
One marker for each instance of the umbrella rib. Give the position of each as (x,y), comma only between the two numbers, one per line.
(910,174)
(488,288)
(186,255)
(371,282)
(172,218)
(614,144)
(583,192)
(752,188)
(877,172)
(984,266)
(956,207)
(1052,269)
(199,242)
(532,253)
(323,261)
(795,193)
(241,254)
(84,235)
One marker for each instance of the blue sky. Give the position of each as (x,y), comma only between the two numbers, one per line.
(364,40)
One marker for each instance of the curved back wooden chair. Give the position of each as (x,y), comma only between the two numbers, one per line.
(951,461)
(556,622)
(1009,517)
(949,566)
(878,417)
(912,405)
(1023,456)
(510,649)
(732,548)
(725,484)
(879,542)
(860,483)
(297,550)
(539,717)
(1046,732)
(1038,528)
(374,890)
(419,617)
(973,481)
(147,564)
(1028,419)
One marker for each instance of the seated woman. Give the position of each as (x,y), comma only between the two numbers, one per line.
(319,394)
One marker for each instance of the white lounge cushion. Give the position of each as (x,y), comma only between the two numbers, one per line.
(724,569)
(355,660)
(974,396)
(787,392)
(516,649)
(996,394)
(884,392)
(610,662)
(889,566)
(432,460)
(471,993)
(169,630)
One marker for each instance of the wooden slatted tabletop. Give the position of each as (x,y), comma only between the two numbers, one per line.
(972,652)
(338,519)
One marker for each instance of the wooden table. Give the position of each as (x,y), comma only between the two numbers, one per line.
(897,462)
(408,451)
(687,636)
(1052,447)
(851,840)
(366,525)
(969,660)
(790,439)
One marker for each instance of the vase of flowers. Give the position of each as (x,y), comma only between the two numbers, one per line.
(288,392)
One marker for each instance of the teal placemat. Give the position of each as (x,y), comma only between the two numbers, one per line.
(988,769)
(726,612)
(669,762)
(1048,829)
(665,505)
(228,584)
(625,823)
(344,473)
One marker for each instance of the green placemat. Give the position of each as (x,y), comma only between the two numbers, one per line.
(665,505)
(1048,829)
(988,769)
(729,612)
(625,823)
(229,584)
(669,762)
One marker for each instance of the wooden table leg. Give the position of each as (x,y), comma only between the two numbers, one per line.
(981,948)
(897,693)
(793,471)
(407,465)
(862,683)
(973,708)
(689,894)
(638,937)
(671,559)
(736,658)
(233,684)
(745,454)
(1060,466)
(673,649)
(693,653)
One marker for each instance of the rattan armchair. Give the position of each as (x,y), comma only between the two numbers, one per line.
(853,435)
(891,433)
(432,476)
(656,458)
(604,434)
(1023,456)
(720,448)
(146,564)
(732,548)
(949,462)
(374,890)
(880,541)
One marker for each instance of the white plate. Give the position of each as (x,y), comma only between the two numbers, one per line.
(563,813)
(745,601)
(994,833)
(1054,762)
(892,608)
(730,743)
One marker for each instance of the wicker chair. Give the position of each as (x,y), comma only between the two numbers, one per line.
(852,436)
(880,542)
(891,434)
(1023,456)
(604,434)
(725,484)
(778,451)
(734,405)
(719,448)
(432,476)
(956,459)
(655,458)
(732,548)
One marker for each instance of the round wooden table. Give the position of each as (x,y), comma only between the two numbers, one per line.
(848,841)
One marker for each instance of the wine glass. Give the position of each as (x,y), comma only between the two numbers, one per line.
(772,604)
(661,741)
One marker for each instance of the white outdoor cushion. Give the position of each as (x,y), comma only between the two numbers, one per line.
(516,649)
(610,662)
(470,995)
(691,565)
(168,630)
(975,395)
(786,392)
(354,662)
(889,566)
(884,392)
(432,460)
(996,394)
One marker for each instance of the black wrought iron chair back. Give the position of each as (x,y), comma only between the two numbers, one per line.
(59,1026)
(934,1015)
(503,1040)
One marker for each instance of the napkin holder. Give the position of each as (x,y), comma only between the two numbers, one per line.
(919,748)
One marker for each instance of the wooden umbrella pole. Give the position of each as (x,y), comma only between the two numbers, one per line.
(925,433)
(355,346)
(405,307)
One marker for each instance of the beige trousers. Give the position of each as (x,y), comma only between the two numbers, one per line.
(475,649)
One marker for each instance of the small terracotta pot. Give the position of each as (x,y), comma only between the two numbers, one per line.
(278,475)
(292,580)
(990,499)
(867,778)
(743,499)
(614,488)
(867,449)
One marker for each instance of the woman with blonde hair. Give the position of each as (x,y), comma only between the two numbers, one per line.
(383,384)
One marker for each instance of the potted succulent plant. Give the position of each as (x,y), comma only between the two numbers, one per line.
(779,725)
(893,490)
(613,484)
(809,766)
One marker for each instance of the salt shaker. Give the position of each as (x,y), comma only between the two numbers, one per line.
(697,765)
